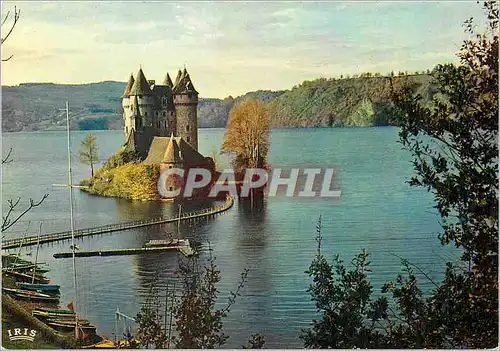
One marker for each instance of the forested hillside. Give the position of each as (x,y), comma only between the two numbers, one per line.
(361,101)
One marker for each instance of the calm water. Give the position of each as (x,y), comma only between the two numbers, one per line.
(377,211)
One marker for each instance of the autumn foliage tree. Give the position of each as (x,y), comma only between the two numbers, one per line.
(247,135)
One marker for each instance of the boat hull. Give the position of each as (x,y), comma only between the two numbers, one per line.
(40,287)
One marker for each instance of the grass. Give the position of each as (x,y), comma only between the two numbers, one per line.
(122,176)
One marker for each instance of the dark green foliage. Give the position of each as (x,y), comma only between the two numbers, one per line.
(150,326)
(256,341)
(93,124)
(461,168)
(341,102)
(342,298)
(453,139)
(197,322)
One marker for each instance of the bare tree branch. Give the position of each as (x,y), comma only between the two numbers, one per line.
(6,17)
(17,14)
(417,267)
(7,222)
(7,158)
(8,58)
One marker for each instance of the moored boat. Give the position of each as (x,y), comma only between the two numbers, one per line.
(71,322)
(27,277)
(71,327)
(31,295)
(54,310)
(51,288)
(25,268)
(47,315)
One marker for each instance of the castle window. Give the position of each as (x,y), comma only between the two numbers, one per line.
(139,96)
(170,166)
(170,188)
(187,128)
(188,139)
(145,114)
(164,114)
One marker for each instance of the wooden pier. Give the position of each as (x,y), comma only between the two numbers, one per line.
(185,250)
(78,233)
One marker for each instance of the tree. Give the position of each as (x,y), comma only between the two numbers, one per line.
(198,324)
(453,140)
(15,18)
(89,152)
(247,135)
(460,166)
(10,217)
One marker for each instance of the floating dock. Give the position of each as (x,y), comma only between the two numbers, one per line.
(185,250)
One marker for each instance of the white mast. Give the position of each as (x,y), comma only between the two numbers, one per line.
(70,186)
(36,255)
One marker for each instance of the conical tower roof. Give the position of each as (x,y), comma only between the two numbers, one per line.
(168,81)
(141,85)
(185,85)
(178,78)
(129,86)
(172,152)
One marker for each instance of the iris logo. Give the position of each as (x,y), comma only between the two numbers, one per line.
(21,334)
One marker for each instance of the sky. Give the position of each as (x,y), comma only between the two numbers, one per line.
(229,48)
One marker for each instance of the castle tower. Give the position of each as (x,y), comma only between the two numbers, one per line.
(145,97)
(186,103)
(168,81)
(139,108)
(127,112)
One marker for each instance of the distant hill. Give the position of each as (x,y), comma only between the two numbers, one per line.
(360,101)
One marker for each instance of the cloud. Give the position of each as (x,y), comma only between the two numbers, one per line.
(229,47)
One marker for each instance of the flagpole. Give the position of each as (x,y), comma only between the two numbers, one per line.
(72,226)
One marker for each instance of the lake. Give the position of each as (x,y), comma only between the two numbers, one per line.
(377,211)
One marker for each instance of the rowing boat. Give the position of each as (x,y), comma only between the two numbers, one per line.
(31,295)
(69,327)
(45,315)
(25,268)
(52,288)
(54,310)
(71,322)
(27,277)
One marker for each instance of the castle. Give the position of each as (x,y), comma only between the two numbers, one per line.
(151,110)
(160,122)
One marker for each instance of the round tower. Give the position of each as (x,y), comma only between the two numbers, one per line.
(128,124)
(186,105)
